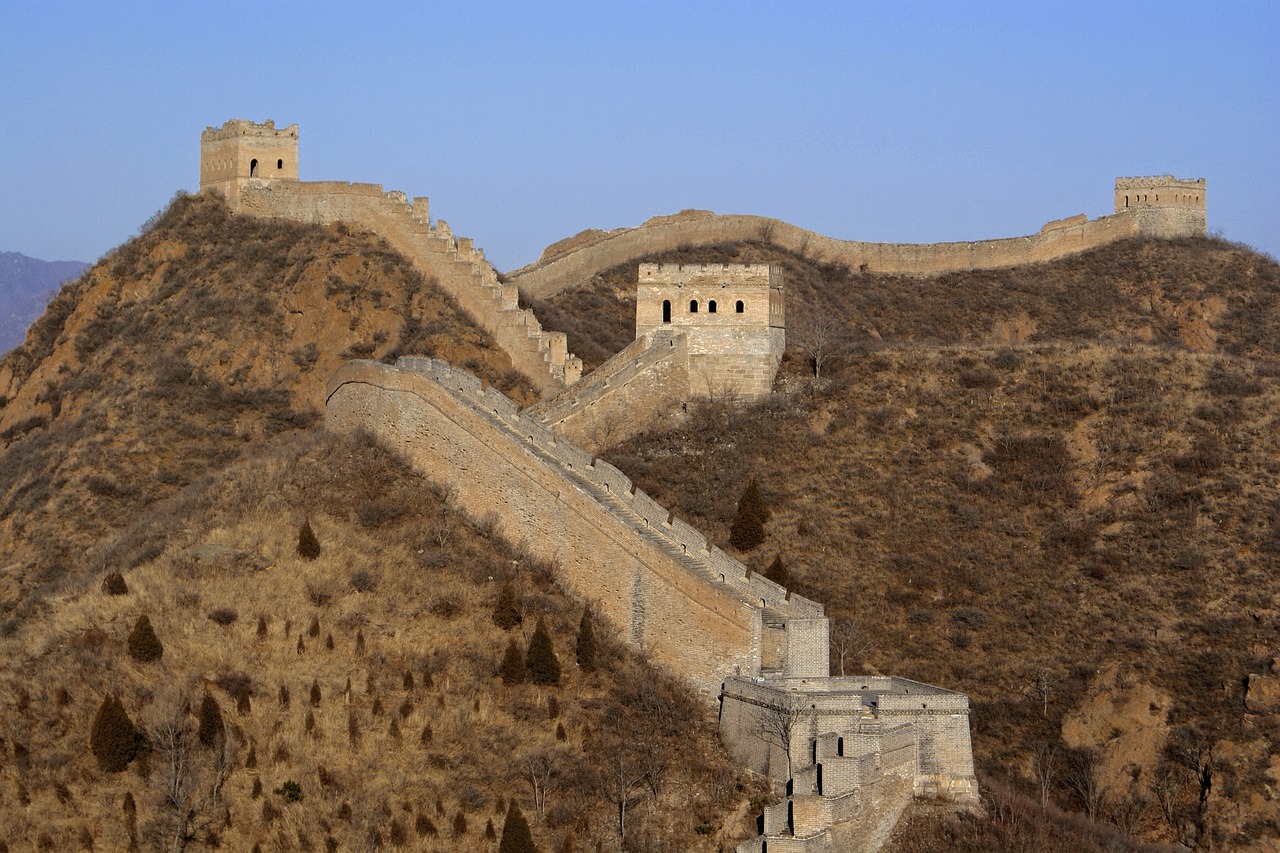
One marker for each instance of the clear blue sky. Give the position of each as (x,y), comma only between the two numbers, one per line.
(527,122)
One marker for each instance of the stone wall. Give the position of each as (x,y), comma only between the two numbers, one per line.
(255,167)
(642,387)
(693,607)
(455,263)
(595,252)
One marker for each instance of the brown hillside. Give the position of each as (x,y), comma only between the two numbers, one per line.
(1052,487)
(368,677)
(176,353)
(1036,527)
(1197,293)
(159,441)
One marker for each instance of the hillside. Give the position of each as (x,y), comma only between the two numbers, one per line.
(1052,487)
(160,422)
(1195,293)
(25,286)
(186,346)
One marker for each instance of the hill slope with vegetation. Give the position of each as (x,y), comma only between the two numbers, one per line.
(224,628)
(1051,487)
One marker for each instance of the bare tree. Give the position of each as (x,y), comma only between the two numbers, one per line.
(848,642)
(823,337)
(1080,777)
(1046,764)
(188,777)
(542,767)
(624,777)
(776,724)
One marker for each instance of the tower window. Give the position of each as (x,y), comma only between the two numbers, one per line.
(711,307)
(666,310)
(279,164)
(693,306)
(253,168)
(739,308)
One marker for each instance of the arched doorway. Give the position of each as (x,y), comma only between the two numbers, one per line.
(253,168)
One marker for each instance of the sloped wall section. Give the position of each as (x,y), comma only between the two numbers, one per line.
(690,605)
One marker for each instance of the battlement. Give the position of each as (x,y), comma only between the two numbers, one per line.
(1160,191)
(238,127)
(723,275)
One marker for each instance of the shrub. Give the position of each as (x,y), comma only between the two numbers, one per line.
(308,544)
(223,616)
(506,610)
(143,644)
(424,826)
(541,663)
(291,791)
(459,825)
(113,584)
(516,837)
(512,669)
(586,643)
(315,694)
(113,738)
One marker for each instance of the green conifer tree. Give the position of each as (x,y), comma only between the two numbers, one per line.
(752,501)
(143,644)
(308,544)
(213,733)
(778,573)
(541,662)
(113,739)
(747,530)
(512,664)
(506,610)
(586,643)
(516,837)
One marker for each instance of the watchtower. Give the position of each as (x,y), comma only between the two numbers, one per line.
(1165,205)
(242,150)
(732,316)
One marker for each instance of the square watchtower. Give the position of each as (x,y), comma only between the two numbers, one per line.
(732,315)
(242,150)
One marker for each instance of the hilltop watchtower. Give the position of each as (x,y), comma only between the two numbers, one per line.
(732,315)
(1165,206)
(241,151)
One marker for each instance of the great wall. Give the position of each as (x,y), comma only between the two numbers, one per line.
(846,754)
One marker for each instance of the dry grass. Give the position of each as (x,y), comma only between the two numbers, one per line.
(425,611)
(1092,505)
(187,346)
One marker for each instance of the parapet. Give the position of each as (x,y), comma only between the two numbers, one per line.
(732,275)
(1160,191)
(238,127)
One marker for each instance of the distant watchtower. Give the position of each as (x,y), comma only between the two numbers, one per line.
(1165,205)
(732,316)
(242,150)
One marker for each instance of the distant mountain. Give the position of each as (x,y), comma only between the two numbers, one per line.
(25,287)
